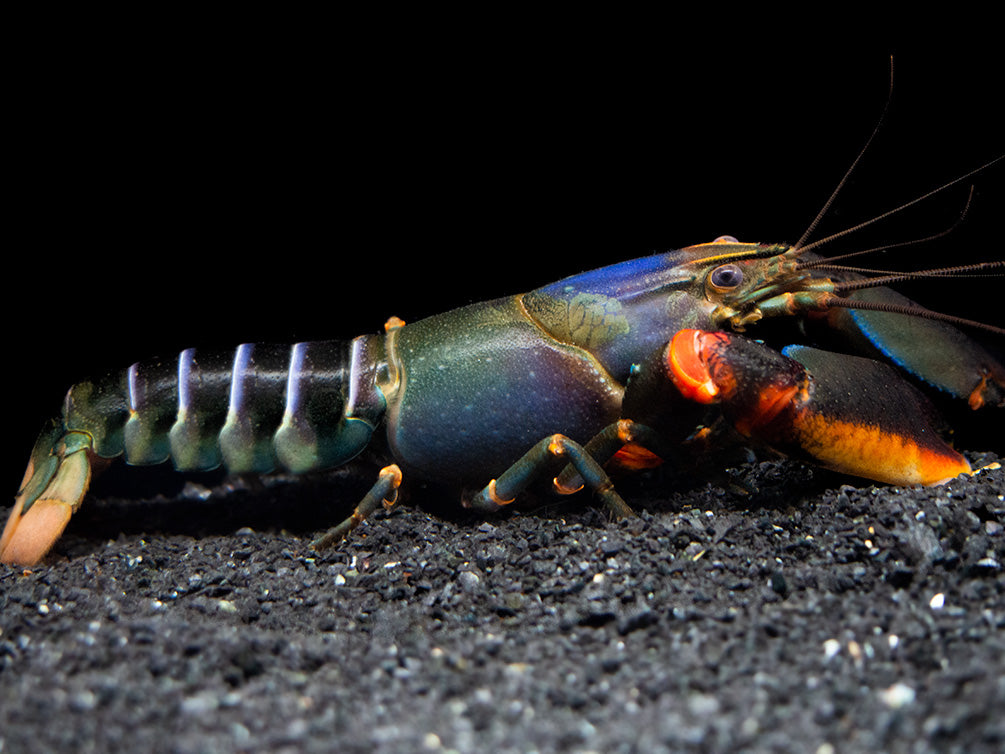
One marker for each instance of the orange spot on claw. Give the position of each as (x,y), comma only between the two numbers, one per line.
(867,451)
(685,363)
(976,398)
(634,457)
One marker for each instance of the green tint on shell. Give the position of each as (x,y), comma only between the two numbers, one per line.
(99,408)
(300,447)
(481,385)
(587,320)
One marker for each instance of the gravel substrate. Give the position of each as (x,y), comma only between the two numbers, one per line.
(809,616)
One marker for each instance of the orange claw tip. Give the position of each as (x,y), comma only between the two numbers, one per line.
(687,368)
(27,538)
(976,398)
(867,451)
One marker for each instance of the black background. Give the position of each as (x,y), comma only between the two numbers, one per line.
(178,192)
(184,181)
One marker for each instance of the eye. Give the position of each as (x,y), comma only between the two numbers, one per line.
(725,277)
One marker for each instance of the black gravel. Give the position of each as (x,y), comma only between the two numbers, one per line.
(807,615)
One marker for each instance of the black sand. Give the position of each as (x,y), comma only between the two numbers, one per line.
(809,617)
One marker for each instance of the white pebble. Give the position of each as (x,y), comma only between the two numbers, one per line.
(897,696)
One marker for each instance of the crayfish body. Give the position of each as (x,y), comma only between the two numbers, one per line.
(555,382)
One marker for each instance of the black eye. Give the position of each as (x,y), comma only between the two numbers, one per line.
(726,277)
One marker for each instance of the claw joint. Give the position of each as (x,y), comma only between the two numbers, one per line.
(494,496)
(562,489)
(556,446)
(394,472)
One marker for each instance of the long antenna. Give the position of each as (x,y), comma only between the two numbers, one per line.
(844,179)
(889,277)
(914,311)
(829,261)
(902,207)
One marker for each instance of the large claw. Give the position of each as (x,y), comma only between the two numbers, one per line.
(933,351)
(54,485)
(853,415)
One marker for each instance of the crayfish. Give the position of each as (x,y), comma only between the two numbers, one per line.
(652,356)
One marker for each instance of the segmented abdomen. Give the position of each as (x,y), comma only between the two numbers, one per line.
(264,406)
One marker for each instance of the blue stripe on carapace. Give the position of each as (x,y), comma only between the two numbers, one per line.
(624,279)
